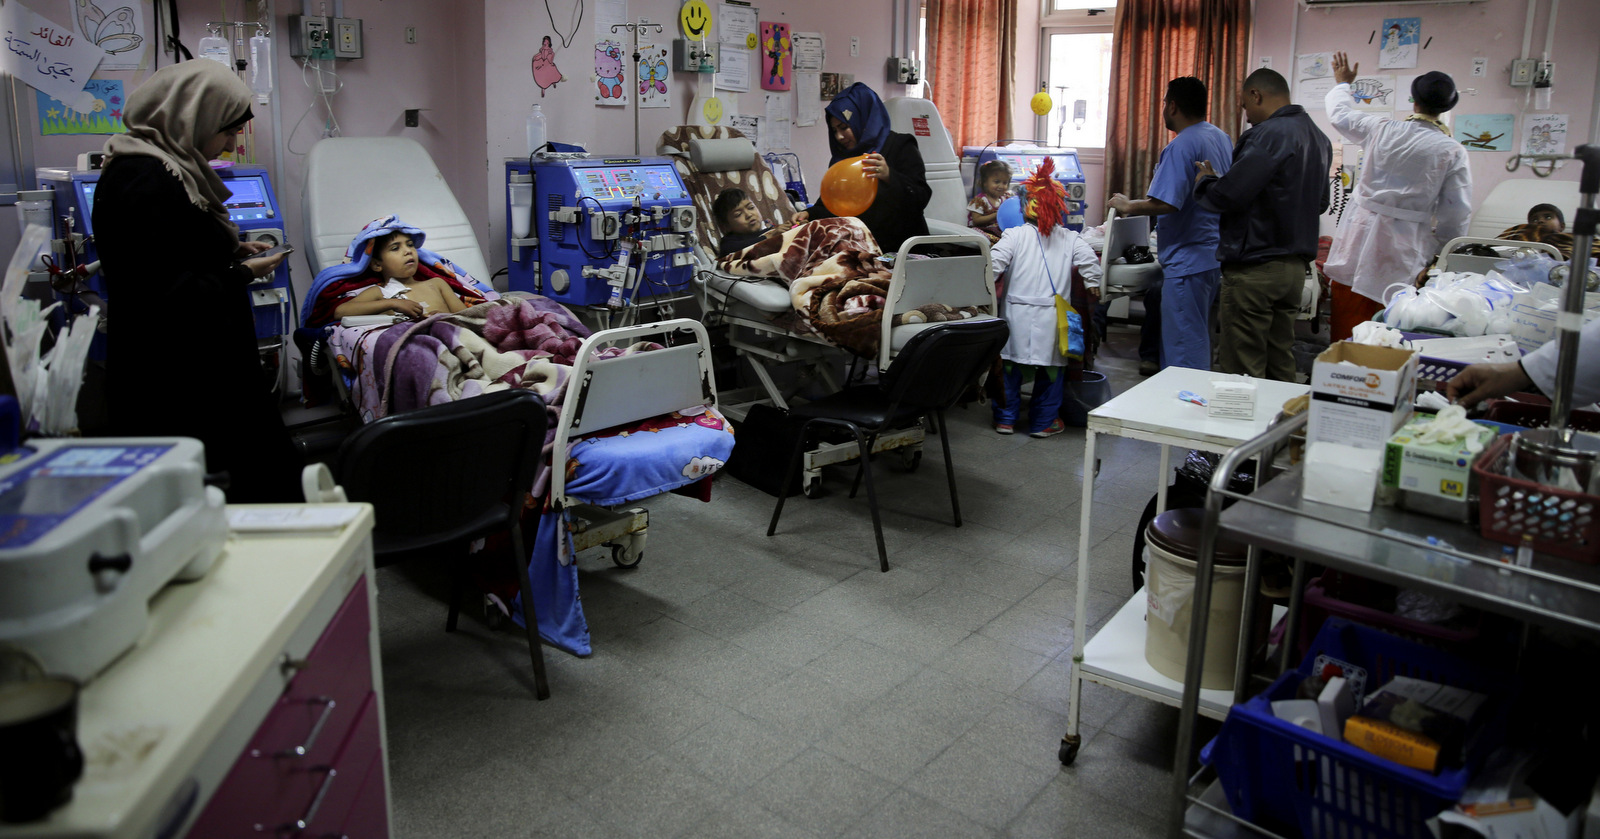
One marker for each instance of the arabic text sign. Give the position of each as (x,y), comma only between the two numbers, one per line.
(51,58)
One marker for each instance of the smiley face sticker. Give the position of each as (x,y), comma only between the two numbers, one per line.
(695,18)
(712,110)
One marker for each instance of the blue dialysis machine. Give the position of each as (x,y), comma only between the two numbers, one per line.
(599,231)
(1023,160)
(253,206)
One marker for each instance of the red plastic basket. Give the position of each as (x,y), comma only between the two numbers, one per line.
(1334,595)
(1534,415)
(1563,523)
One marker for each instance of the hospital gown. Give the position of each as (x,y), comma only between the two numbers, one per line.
(1414,195)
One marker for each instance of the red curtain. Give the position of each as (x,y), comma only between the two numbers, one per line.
(1154,42)
(972,47)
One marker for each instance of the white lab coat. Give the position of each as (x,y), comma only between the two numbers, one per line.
(1414,195)
(1029,306)
(1540,365)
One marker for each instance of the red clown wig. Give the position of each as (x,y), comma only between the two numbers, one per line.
(1046,197)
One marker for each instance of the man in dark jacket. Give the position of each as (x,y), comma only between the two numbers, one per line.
(1269,200)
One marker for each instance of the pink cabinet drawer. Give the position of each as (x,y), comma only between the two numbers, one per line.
(369,813)
(282,768)
(340,785)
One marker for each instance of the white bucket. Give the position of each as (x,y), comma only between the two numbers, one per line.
(1169,587)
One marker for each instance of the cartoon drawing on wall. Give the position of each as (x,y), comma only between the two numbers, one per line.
(545,72)
(695,19)
(1313,78)
(120,32)
(1401,39)
(609,74)
(575,16)
(777,56)
(103,117)
(1485,132)
(653,75)
(1545,134)
(1373,93)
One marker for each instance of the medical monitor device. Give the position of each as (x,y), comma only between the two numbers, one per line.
(253,206)
(90,530)
(599,231)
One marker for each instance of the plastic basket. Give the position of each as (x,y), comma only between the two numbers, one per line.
(1534,415)
(1281,776)
(1563,523)
(1320,603)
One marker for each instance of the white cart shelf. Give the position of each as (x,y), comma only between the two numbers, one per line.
(1150,411)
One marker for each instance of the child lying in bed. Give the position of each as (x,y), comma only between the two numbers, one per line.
(740,221)
(388,269)
(394,260)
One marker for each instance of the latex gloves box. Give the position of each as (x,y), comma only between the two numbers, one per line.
(1434,478)
(1360,395)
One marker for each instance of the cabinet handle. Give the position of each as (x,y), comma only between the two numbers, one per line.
(328,705)
(316,803)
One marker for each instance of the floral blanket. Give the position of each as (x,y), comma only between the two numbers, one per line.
(836,282)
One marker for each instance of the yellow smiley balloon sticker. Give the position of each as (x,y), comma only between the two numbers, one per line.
(695,18)
(750,41)
(1040,103)
(712,110)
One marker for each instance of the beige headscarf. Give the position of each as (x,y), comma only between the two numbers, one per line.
(173,114)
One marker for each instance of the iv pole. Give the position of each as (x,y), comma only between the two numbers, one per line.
(634,29)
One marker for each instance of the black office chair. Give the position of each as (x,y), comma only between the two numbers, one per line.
(929,375)
(442,476)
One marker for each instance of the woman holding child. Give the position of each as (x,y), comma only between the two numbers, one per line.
(181,358)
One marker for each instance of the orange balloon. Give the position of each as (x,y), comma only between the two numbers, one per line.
(846,189)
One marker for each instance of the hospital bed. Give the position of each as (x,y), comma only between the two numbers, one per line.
(758,313)
(351,181)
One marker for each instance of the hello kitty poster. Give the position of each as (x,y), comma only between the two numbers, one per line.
(610,74)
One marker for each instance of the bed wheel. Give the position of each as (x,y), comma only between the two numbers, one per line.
(628,554)
(813,488)
(1069,749)
(494,613)
(910,458)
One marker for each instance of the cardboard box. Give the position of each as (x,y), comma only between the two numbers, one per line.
(1439,469)
(1232,398)
(1361,395)
(1344,476)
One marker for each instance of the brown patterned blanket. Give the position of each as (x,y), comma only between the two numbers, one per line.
(836,282)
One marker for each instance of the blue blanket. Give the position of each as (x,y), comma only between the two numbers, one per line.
(615,467)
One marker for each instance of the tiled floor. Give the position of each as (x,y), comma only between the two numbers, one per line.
(750,687)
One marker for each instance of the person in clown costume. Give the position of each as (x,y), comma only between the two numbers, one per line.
(1036,259)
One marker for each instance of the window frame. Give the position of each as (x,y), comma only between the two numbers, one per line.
(1068,23)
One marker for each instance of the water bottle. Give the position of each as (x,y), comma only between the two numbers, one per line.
(261,67)
(536,136)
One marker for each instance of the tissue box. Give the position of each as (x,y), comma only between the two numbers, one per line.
(1435,477)
(1232,398)
(1360,395)
(1341,475)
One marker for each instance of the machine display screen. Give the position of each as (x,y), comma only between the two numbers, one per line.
(37,499)
(1025,165)
(611,183)
(249,201)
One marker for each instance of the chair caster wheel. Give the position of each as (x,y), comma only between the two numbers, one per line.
(495,614)
(1069,749)
(630,553)
(813,488)
(910,459)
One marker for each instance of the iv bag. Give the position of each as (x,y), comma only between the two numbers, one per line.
(261,67)
(216,48)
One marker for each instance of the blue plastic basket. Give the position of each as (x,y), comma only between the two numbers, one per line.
(1279,775)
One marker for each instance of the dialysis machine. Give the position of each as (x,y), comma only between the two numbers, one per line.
(1023,160)
(599,231)
(253,206)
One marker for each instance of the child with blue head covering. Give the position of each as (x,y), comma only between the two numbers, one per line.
(386,269)
(858,124)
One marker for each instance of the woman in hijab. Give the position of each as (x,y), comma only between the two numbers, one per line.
(858,124)
(181,356)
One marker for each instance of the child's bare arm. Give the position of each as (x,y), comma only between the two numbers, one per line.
(452,302)
(372,302)
(980,220)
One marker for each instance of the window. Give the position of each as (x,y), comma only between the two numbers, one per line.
(1081,5)
(1076,65)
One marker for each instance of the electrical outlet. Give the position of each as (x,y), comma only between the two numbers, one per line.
(411,34)
(346,37)
(1522,71)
